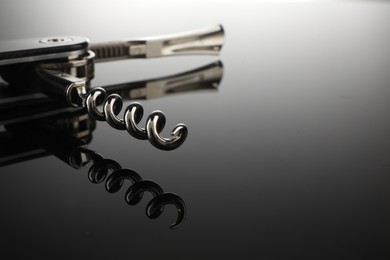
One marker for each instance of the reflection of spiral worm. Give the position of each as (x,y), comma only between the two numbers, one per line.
(100,169)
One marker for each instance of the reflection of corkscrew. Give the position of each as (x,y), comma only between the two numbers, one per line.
(66,137)
(99,171)
(64,67)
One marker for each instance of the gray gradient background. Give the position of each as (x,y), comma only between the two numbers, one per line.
(289,159)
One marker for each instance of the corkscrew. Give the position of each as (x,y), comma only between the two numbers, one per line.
(66,136)
(62,67)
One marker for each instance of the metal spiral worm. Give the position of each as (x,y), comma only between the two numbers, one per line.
(112,105)
(100,169)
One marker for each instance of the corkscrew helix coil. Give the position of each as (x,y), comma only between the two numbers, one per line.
(112,106)
(100,169)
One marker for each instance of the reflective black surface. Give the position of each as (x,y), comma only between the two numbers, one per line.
(66,136)
(289,159)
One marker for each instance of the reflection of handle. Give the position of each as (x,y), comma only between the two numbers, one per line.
(205,41)
(205,78)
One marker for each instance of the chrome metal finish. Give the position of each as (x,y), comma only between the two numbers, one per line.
(81,67)
(133,115)
(112,105)
(155,124)
(205,41)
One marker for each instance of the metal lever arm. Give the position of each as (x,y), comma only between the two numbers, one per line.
(205,41)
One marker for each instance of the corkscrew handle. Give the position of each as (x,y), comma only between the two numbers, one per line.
(204,41)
